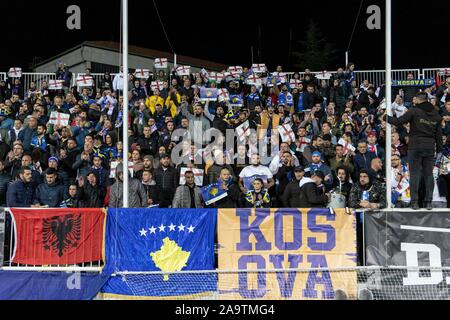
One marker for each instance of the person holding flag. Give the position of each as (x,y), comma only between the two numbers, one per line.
(258,197)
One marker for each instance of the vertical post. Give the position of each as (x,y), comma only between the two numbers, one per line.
(251,48)
(174,60)
(125,102)
(346,59)
(388,101)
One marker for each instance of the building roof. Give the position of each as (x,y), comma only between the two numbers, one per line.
(147,53)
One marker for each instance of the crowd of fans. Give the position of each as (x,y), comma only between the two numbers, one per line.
(337,157)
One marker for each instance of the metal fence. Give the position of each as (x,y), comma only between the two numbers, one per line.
(375,77)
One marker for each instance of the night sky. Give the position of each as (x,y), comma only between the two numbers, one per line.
(224,33)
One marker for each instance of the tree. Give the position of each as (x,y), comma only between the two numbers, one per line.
(315,53)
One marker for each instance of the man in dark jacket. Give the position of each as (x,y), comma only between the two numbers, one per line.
(20,193)
(90,192)
(50,193)
(290,198)
(147,142)
(5,178)
(166,180)
(367,193)
(363,158)
(233,193)
(425,140)
(312,192)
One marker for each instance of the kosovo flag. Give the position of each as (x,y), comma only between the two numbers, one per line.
(162,240)
(208,94)
(236,100)
(213,193)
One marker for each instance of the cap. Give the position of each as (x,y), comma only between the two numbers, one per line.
(319,174)
(148,157)
(299,169)
(163,155)
(316,154)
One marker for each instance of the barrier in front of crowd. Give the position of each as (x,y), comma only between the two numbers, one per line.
(375,77)
(169,253)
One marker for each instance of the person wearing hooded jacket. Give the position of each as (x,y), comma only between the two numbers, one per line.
(425,140)
(137,197)
(376,193)
(311,192)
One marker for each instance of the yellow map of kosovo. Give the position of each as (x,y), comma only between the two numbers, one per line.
(170,257)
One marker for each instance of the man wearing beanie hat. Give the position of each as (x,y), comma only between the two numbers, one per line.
(318,165)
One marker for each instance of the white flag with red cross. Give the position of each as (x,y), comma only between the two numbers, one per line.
(160,63)
(157,85)
(232,75)
(184,70)
(302,143)
(280,76)
(59,119)
(348,147)
(295,83)
(55,84)
(259,68)
(243,130)
(142,73)
(204,74)
(15,72)
(85,81)
(198,176)
(286,132)
(223,95)
(215,76)
(324,75)
(253,80)
(236,69)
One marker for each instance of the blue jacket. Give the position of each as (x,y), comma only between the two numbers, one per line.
(20,195)
(25,136)
(50,195)
(363,161)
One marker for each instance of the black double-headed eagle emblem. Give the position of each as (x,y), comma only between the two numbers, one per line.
(61,233)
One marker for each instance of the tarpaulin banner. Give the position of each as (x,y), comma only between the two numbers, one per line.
(57,236)
(410,239)
(278,239)
(50,285)
(166,240)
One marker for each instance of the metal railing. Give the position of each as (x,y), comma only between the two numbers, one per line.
(375,77)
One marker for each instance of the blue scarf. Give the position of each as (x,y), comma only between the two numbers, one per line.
(39,143)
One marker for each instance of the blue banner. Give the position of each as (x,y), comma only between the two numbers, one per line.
(213,193)
(413,83)
(161,240)
(208,94)
(50,285)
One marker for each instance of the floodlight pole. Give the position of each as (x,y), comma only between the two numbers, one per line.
(125,102)
(388,102)
(346,58)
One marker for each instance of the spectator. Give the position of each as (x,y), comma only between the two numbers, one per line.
(363,158)
(20,193)
(166,180)
(49,194)
(257,197)
(189,195)
(255,169)
(367,193)
(90,192)
(312,193)
(150,187)
(290,198)
(137,197)
(72,199)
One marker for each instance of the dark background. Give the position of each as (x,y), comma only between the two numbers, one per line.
(225,31)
